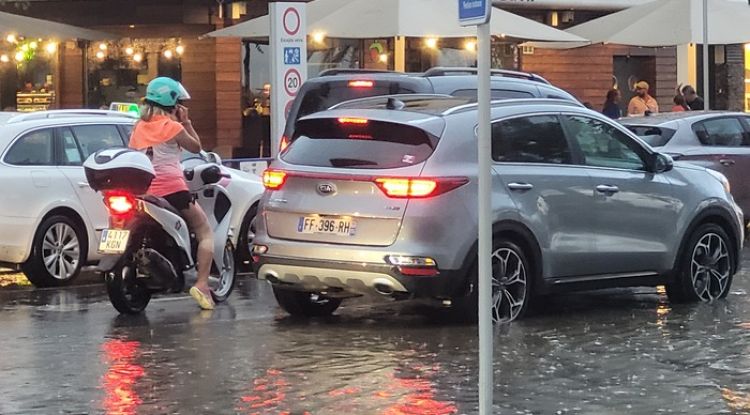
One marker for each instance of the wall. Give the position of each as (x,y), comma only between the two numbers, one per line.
(71,90)
(587,72)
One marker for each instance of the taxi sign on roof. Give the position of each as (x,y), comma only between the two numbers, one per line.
(125,107)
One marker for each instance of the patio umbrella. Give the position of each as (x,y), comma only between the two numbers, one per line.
(362,19)
(673,23)
(32,27)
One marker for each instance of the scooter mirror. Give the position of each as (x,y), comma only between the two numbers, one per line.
(213,158)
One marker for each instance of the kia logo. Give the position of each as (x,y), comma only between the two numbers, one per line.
(326,189)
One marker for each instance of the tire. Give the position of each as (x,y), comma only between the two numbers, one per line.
(223,285)
(125,293)
(244,255)
(706,268)
(59,250)
(518,288)
(305,304)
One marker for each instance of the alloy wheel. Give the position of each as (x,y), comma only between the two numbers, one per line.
(710,267)
(61,251)
(509,279)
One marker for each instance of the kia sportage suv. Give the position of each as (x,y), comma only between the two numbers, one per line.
(379,198)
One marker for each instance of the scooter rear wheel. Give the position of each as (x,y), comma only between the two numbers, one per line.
(223,284)
(125,293)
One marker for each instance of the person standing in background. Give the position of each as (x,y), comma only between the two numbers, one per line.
(694,102)
(642,103)
(680,104)
(612,104)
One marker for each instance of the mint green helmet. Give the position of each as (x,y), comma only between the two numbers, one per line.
(165,92)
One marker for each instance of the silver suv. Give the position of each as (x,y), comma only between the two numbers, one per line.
(379,198)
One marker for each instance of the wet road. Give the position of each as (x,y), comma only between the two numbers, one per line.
(65,351)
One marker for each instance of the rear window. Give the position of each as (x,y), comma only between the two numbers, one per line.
(328,95)
(653,136)
(358,144)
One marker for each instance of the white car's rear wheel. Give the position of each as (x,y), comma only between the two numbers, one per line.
(57,254)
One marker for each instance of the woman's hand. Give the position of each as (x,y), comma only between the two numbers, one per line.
(182,114)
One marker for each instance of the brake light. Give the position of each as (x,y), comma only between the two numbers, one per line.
(284,143)
(120,204)
(356,121)
(274,179)
(410,188)
(361,84)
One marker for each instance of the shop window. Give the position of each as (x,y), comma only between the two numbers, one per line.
(33,149)
(92,138)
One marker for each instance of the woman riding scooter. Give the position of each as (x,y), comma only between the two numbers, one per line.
(163,131)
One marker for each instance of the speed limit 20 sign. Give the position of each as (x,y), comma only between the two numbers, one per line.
(288,62)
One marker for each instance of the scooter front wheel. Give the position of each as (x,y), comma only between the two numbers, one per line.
(222,285)
(125,293)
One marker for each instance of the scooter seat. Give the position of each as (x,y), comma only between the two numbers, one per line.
(162,203)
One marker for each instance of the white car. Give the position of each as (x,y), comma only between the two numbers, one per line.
(49,217)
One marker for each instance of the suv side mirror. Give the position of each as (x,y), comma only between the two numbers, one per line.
(662,163)
(213,158)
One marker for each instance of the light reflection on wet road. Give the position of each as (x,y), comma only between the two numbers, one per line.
(614,352)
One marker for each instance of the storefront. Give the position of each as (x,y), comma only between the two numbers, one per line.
(119,71)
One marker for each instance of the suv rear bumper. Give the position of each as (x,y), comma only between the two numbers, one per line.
(356,278)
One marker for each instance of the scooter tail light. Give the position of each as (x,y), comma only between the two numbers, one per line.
(121,205)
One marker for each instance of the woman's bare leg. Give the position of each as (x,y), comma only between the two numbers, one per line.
(198,223)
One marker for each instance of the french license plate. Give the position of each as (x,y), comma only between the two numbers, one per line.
(327,226)
(113,241)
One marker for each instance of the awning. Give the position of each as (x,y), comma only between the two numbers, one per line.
(32,27)
(362,19)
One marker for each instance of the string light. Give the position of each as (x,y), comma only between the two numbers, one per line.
(470,45)
(100,55)
(4,59)
(103,46)
(19,56)
(138,57)
(129,51)
(51,47)
(33,45)
(383,58)
(168,54)
(431,42)
(180,49)
(11,38)
(318,37)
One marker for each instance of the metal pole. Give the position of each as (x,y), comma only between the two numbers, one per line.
(485,224)
(706,93)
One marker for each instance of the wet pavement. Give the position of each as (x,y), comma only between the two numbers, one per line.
(65,351)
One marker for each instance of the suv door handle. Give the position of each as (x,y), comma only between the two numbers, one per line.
(726,162)
(83,185)
(520,186)
(607,189)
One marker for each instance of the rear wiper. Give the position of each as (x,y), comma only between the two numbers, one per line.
(351,162)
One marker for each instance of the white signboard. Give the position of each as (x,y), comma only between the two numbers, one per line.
(288,62)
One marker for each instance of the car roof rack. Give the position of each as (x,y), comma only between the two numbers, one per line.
(42,115)
(354,71)
(451,71)
(515,101)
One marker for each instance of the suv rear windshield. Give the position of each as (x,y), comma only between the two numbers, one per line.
(328,95)
(653,136)
(358,144)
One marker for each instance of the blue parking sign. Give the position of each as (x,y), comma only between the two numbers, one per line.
(473,12)
(292,56)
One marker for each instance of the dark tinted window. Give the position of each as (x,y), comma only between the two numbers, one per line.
(371,145)
(538,139)
(603,145)
(127,131)
(92,138)
(723,132)
(328,95)
(654,136)
(33,149)
(496,94)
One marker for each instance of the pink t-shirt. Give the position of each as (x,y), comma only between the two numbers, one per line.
(158,135)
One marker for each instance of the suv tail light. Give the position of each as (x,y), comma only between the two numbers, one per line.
(274,179)
(121,205)
(284,143)
(418,188)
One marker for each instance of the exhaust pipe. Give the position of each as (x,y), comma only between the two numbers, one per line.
(383,287)
(159,268)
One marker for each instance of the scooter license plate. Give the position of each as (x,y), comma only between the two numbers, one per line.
(114,241)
